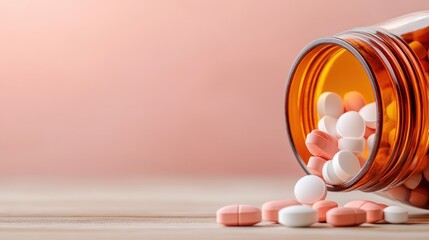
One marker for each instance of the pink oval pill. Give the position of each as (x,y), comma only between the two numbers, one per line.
(355,203)
(345,217)
(327,136)
(238,215)
(320,147)
(322,207)
(270,210)
(374,212)
(353,101)
(316,163)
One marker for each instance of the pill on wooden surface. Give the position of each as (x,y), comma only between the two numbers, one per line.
(355,203)
(325,135)
(395,214)
(345,217)
(270,210)
(238,215)
(360,203)
(297,216)
(322,207)
(320,147)
(328,125)
(329,175)
(316,163)
(310,189)
(371,141)
(374,212)
(330,104)
(418,49)
(351,124)
(368,132)
(413,181)
(346,165)
(353,101)
(419,197)
(382,205)
(354,145)
(369,114)
(391,111)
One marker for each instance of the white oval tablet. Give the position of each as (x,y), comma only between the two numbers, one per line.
(413,181)
(346,165)
(297,216)
(310,189)
(351,124)
(329,175)
(328,125)
(371,141)
(330,104)
(369,114)
(395,214)
(354,145)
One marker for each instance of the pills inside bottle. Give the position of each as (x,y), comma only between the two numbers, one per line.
(367,88)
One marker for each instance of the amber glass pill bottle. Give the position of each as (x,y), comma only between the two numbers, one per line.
(388,64)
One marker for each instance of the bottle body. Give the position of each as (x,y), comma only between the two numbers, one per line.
(388,64)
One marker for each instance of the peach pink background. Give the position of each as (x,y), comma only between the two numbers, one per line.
(142,88)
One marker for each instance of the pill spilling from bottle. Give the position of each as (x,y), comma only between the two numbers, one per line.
(346,129)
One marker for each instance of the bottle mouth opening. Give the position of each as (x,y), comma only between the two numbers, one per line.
(328,65)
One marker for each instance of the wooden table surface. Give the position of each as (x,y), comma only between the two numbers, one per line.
(167,209)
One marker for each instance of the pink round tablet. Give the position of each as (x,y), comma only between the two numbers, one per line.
(270,210)
(322,207)
(345,217)
(374,212)
(238,215)
(353,101)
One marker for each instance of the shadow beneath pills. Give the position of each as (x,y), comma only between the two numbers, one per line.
(328,226)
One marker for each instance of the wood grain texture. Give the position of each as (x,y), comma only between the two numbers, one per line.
(168,209)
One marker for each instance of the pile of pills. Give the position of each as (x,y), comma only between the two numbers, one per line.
(345,136)
(310,207)
(346,127)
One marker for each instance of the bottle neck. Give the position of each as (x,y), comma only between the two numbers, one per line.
(396,77)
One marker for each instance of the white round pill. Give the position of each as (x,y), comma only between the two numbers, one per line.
(310,189)
(346,165)
(297,216)
(351,124)
(371,141)
(354,145)
(329,175)
(369,114)
(395,214)
(330,104)
(328,125)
